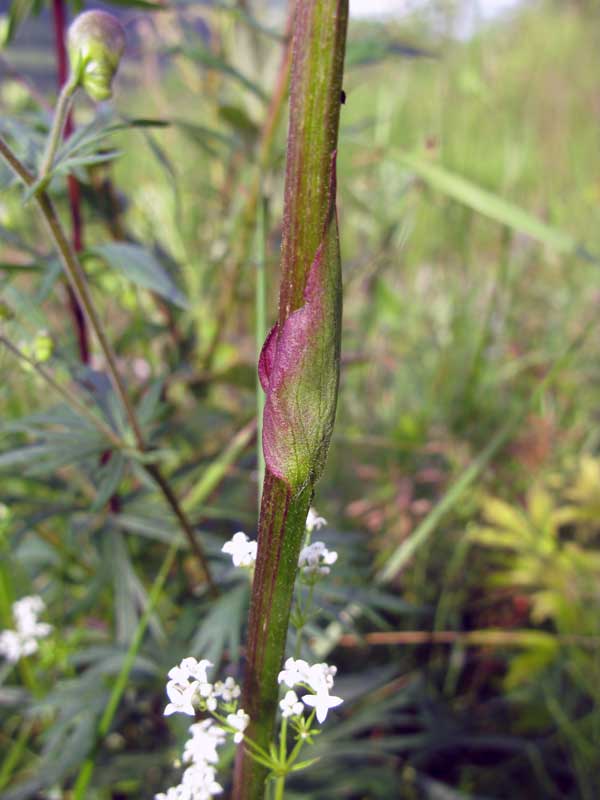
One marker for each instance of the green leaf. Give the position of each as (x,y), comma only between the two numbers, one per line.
(22,456)
(141,267)
(488,204)
(304,764)
(221,628)
(108,478)
(202,55)
(18,12)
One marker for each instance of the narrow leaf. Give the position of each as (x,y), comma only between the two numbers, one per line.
(141,267)
(487,203)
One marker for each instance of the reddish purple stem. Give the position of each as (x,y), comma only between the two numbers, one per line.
(58,13)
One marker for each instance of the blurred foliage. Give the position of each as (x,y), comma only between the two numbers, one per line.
(469,211)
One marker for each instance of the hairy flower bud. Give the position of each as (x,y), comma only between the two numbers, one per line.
(96,44)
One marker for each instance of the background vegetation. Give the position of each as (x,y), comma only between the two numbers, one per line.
(463,484)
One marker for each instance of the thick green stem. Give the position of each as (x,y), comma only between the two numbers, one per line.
(260,328)
(281,532)
(317,70)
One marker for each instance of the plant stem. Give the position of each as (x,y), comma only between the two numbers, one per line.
(281,530)
(62,63)
(260,330)
(15,752)
(243,227)
(58,124)
(78,281)
(154,471)
(317,69)
(279,787)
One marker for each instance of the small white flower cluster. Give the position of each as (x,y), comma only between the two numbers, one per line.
(241,549)
(200,752)
(315,559)
(313,521)
(23,641)
(188,688)
(318,678)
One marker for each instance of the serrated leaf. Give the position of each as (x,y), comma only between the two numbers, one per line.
(141,267)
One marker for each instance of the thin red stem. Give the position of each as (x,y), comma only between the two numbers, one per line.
(62,64)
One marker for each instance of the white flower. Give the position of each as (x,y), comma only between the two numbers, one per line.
(295,672)
(181,696)
(188,688)
(239,721)
(227,690)
(322,701)
(11,646)
(14,644)
(315,559)
(321,676)
(290,705)
(171,794)
(198,783)
(313,521)
(207,693)
(199,780)
(195,669)
(202,746)
(241,549)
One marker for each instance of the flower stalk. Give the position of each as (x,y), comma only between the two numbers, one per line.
(299,364)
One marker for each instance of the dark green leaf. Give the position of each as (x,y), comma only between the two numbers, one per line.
(141,267)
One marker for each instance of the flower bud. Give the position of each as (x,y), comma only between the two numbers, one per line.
(96,43)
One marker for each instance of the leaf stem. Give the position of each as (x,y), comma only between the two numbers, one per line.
(154,471)
(58,124)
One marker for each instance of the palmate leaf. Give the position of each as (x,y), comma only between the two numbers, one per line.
(131,598)
(82,148)
(221,627)
(74,707)
(59,450)
(141,267)
(107,480)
